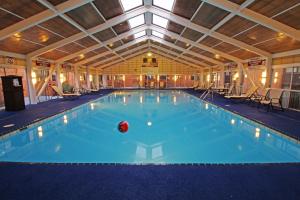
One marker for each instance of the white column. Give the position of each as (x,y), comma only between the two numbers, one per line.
(104,81)
(51,70)
(76,77)
(240,79)
(210,76)
(31,89)
(199,79)
(88,82)
(269,72)
(97,80)
(222,77)
(58,72)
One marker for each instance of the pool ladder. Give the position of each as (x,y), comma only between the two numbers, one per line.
(206,93)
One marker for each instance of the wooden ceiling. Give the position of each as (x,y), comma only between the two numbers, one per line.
(182,40)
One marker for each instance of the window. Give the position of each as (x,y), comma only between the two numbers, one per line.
(130,4)
(157,34)
(160,21)
(165,4)
(136,21)
(140,34)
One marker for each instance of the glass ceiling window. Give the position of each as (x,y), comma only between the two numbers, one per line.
(157,34)
(136,21)
(130,4)
(165,4)
(140,34)
(160,21)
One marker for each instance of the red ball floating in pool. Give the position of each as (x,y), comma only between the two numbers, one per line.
(123,126)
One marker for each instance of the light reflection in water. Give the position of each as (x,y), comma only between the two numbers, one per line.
(65,119)
(40,131)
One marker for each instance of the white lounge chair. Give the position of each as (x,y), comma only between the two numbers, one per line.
(251,91)
(273,98)
(65,95)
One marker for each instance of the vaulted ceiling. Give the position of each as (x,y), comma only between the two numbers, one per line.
(99,33)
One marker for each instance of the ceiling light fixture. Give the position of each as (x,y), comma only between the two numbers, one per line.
(17,35)
(130,4)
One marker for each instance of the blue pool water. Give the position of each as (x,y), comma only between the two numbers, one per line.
(165,127)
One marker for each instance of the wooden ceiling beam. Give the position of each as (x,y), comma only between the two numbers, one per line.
(109,23)
(40,17)
(195,44)
(162,41)
(110,41)
(196,27)
(200,64)
(256,17)
(117,61)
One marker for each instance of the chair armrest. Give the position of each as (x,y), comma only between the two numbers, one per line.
(272,99)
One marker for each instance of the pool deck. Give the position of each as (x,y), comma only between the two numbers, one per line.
(199,181)
(43,110)
(149,182)
(286,122)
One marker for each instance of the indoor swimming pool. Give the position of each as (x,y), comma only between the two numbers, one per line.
(165,127)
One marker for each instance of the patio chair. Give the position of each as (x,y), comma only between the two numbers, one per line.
(250,92)
(227,92)
(257,97)
(65,95)
(273,98)
(196,84)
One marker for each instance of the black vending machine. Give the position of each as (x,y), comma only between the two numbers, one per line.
(13,93)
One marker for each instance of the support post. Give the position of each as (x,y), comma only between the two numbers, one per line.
(222,77)
(210,76)
(199,75)
(97,80)
(269,72)
(76,77)
(246,71)
(51,70)
(31,89)
(58,71)
(104,81)
(88,82)
(240,79)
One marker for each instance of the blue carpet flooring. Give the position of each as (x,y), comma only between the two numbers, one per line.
(287,122)
(149,182)
(34,113)
(134,182)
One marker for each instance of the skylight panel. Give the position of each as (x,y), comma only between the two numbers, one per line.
(160,21)
(165,4)
(140,34)
(157,34)
(136,21)
(130,4)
